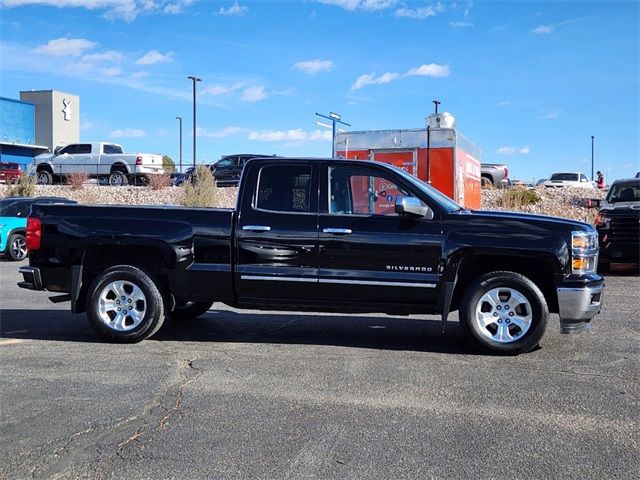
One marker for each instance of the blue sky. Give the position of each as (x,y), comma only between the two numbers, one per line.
(528,82)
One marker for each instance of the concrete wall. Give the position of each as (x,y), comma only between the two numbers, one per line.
(57,117)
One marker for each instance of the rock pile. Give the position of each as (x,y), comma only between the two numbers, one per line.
(561,202)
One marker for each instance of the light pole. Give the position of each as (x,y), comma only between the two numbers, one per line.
(335,118)
(592,138)
(180,121)
(194,79)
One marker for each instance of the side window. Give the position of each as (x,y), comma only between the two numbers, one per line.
(22,209)
(69,149)
(84,148)
(111,149)
(284,188)
(583,178)
(358,191)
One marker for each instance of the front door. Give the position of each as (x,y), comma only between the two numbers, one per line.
(277,233)
(367,252)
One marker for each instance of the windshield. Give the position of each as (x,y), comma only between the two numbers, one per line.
(224,162)
(442,200)
(572,177)
(624,192)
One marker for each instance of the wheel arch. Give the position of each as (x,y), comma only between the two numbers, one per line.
(120,166)
(540,268)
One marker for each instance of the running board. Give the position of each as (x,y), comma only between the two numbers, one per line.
(61,298)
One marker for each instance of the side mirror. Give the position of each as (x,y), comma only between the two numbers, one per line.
(413,207)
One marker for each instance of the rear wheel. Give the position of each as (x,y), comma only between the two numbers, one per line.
(504,312)
(118,178)
(189,310)
(17,247)
(124,305)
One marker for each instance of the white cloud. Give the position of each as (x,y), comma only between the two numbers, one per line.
(543,30)
(111,71)
(234,9)
(514,150)
(163,132)
(126,10)
(225,132)
(461,24)
(253,94)
(65,47)
(86,125)
(108,56)
(551,115)
(289,135)
(420,13)
(153,56)
(128,133)
(218,89)
(426,70)
(365,5)
(504,103)
(141,74)
(313,67)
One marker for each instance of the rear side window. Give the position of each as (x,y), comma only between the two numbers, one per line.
(108,148)
(284,188)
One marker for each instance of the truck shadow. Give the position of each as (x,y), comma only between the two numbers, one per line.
(375,332)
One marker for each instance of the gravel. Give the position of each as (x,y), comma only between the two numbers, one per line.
(561,202)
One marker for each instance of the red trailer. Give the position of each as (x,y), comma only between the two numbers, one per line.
(438,154)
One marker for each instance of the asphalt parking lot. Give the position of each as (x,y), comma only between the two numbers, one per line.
(280,395)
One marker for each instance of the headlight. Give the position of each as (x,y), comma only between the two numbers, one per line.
(584,252)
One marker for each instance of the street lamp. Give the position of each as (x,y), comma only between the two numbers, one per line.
(334,118)
(592,138)
(194,79)
(180,121)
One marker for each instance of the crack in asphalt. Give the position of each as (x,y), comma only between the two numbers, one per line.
(89,446)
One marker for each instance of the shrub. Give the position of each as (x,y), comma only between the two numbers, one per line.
(201,191)
(516,198)
(158,181)
(76,180)
(26,187)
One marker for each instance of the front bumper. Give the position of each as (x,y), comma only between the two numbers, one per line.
(32,278)
(578,305)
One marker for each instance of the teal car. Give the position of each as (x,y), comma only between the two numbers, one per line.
(13,223)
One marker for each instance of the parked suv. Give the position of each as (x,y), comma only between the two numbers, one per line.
(227,170)
(10,172)
(618,224)
(13,223)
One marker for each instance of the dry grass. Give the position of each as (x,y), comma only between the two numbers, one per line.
(76,180)
(26,187)
(516,198)
(202,192)
(158,181)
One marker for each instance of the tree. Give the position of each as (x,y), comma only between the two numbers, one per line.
(168,164)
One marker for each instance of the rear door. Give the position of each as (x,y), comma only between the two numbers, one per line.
(84,160)
(277,232)
(367,252)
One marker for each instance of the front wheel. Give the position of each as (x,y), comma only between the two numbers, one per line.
(504,312)
(17,249)
(44,178)
(189,310)
(124,305)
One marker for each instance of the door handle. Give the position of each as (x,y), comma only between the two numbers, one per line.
(257,228)
(337,231)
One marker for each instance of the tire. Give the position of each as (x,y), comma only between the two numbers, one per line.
(189,310)
(118,178)
(17,247)
(504,313)
(485,182)
(44,177)
(139,296)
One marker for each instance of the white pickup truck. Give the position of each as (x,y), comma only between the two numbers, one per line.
(104,161)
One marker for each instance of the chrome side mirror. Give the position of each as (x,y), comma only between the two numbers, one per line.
(413,207)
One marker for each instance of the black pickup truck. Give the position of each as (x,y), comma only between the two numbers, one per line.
(319,235)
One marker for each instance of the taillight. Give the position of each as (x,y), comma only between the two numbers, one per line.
(34,233)
(506,173)
(138,160)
